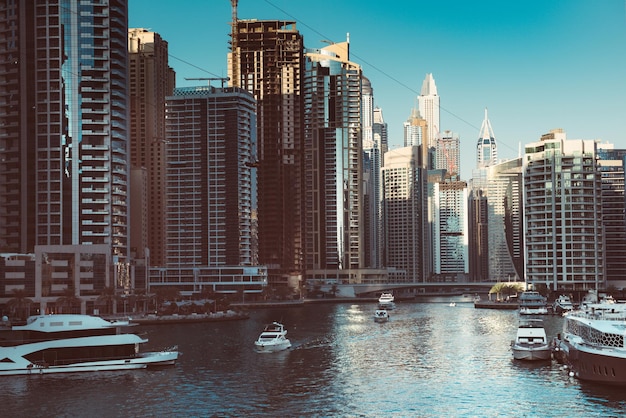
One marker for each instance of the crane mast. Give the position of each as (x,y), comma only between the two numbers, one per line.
(234,47)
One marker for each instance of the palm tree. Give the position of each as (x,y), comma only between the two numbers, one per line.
(68,300)
(19,303)
(107,298)
(506,288)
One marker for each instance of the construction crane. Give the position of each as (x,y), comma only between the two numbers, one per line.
(234,70)
(209,79)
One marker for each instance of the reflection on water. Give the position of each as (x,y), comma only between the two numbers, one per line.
(430,359)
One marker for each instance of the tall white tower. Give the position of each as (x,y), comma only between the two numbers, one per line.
(429,108)
(486,150)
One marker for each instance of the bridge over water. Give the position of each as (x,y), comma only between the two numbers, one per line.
(407,289)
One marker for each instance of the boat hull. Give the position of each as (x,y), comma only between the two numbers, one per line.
(272,348)
(594,364)
(532,354)
(156,359)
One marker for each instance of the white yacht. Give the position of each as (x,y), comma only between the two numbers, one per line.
(386,301)
(74,343)
(273,338)
(531,342)
(562,304)
(532,303)
(381,315)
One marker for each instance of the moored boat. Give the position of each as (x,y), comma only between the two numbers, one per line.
(381,315)
(532,303)
(273,338)
(592,342)
(74,343)
(531,342)
(562,304)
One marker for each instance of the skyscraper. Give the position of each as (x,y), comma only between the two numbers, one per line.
(64,125)
(450,230)
(563,213)
(429,109)
(404,203)
(334,221)
(266,59)
(486,150)
(209,177)
(505,220)
(448,153)
(151,80)
(415,129)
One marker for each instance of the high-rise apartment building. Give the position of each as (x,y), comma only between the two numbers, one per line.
(565,239)
(448,153)
(64,125)
(367,113)
(151,80)
(612,162)
(371,176)
(266,59)
(380,131)
(450,230)
(429,109)
(486,150)
(334,158)
(404,204)
(505,221)
(415,129)
(211,135)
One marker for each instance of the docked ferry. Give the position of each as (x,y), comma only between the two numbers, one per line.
(592,342)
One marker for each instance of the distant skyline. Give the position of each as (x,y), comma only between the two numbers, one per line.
(536,65)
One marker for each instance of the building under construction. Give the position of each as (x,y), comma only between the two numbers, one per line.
(266,59)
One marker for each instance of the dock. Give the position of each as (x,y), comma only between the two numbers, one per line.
(488,304)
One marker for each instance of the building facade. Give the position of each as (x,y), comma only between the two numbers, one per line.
(505,221)
(448,153)
(404,191)
(64,166)
(450,231)
(266,59)
(612,163)
(429,109)
(334,158)
(151,80)
(565,240)
(210,194)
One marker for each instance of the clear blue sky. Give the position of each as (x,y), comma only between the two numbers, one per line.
(535,64)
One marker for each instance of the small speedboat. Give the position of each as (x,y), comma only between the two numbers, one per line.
(531,342)
(273,338)
(381,315)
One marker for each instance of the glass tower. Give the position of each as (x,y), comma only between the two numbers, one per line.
(63,127)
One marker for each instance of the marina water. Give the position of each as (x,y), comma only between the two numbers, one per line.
(430,360)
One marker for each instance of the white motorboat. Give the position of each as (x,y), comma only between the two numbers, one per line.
(532,303)
(273,338)
(562,304)
(74,343)
(531,342)
(592,342)
(386,301)
(381,315)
